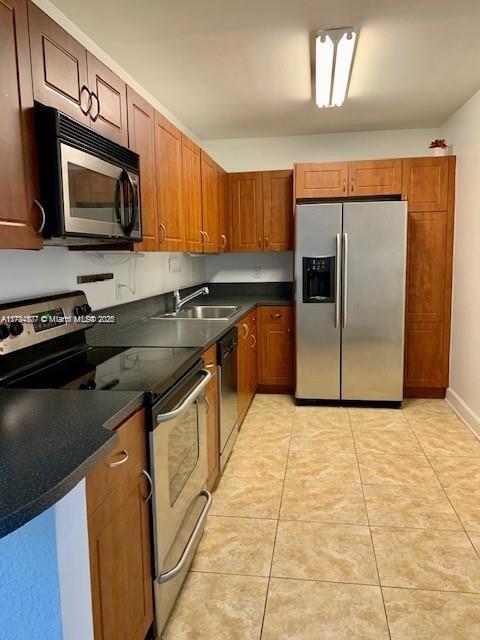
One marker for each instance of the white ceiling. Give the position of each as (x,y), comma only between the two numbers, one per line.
(231,69)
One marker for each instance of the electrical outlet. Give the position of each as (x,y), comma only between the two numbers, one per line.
(118,289)
(257,273)
(174,264)
(194,274)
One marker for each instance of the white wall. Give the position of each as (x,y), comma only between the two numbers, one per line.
(462,131)
(264,154)
(250,267)
(54,269)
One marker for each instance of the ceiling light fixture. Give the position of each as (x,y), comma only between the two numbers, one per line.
(334,51)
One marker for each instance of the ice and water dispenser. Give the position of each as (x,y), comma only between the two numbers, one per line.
(319,279)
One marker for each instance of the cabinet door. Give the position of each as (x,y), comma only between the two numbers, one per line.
(276,347)
(242,364)
(108,115)
(18,218)
(192,195)
(213,444)
(321,180)
(170,210)
(277,210)
(141,138)
(59,66)
(425,183)
(375,177)
(223,226)
(426,298)
(246,205)
(210,224)
(120,561)
(252,346)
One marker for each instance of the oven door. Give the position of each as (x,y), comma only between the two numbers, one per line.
(178,455)
(100,199)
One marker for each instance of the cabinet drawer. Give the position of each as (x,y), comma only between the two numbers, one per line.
(103,479)
(276,315)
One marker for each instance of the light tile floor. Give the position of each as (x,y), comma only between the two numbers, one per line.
(336,524)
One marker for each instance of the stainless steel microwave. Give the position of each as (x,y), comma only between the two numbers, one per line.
(89,185)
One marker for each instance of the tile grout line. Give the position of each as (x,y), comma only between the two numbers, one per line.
(276,529)
(477,551)
(370,528)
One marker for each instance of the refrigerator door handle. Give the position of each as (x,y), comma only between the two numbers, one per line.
(345,279)
(338,282)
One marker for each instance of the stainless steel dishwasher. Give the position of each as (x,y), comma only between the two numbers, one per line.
(227,371)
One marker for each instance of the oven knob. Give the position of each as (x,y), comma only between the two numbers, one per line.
(87,309)
(78,311)
(4,331)
(16,328)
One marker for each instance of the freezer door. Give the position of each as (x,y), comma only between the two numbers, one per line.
(317,279)
(373,313)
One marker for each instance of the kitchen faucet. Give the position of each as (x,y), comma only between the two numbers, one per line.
(178,302)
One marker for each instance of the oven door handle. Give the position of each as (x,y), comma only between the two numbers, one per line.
(173,573)
(192,396)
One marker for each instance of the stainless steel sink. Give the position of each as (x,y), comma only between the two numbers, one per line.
(200,313)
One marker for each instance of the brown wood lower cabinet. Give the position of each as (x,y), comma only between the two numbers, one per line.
(213,424)
(247,362)
(276,349)
(119,538)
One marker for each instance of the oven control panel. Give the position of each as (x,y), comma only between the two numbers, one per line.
(30,322)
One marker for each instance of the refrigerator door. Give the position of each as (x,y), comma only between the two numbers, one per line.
(373,308)
(317,300)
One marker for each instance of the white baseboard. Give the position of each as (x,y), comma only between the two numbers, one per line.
(463,410)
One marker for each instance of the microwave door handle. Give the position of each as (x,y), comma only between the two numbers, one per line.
(134,204)
(118,204)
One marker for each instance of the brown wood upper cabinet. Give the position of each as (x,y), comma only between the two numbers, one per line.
(261,209)
(141,138)
(109,101)
(343,179)
(192,195)
(210,202)
(169,175)
(277,210)
(119,537)
(375,177)
(321,180)
(222,194)
(69,78)
(18,187)
(425,183)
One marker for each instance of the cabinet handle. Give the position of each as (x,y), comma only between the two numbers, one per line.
(207,402)
(112,465)
(150,482)
(95,117)
(267,240)
(89,103)
(351,185)
(259,241)
(254,341)
(224,240)
(247,330)
(344,185)
(207,237)
(275,315)
(44,217)
(211,365)
(164,230)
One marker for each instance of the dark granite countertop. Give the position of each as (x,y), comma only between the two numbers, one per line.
(49,441)
(200,334)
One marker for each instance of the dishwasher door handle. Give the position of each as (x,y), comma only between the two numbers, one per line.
(192,396)
(169,575)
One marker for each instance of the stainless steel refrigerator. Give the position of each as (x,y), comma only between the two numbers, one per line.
(350,301)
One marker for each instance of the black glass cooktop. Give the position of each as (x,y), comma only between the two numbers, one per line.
(152,371)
